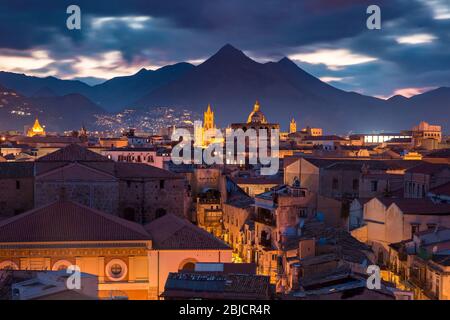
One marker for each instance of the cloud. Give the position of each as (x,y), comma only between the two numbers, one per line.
(416,38)
(331,79)
(334,59)
(31,62)
(409,92)
(329,38)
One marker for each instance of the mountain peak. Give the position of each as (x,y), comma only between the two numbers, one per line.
(286,61)
(229,53)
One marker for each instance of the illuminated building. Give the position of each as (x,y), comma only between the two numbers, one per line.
(292,126)
(36,130)
(206,134)
(131,261)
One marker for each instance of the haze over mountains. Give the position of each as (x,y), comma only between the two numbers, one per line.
(231,82)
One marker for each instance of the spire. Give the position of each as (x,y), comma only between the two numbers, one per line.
(292,126)
(208,118)
(256,106)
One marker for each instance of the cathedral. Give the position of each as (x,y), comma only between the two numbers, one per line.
(36,130)
(256,120)
(204,135)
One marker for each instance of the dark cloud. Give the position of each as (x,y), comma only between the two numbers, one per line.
(188,30)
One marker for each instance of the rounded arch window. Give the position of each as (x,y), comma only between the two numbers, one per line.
(61,265)
(116,270)
(8,265)
(187,265)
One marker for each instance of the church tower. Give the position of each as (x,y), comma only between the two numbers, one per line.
(208,119)
(292,126)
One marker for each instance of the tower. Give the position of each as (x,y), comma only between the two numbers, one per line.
(208,119)
(292,126)
(36,129)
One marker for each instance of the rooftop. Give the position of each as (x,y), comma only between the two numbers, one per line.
(173,233)
(65,221)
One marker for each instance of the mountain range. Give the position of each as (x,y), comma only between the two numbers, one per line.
(231,82)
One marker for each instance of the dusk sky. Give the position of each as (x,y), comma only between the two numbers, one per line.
(328,38)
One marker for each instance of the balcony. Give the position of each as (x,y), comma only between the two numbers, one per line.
(265,216)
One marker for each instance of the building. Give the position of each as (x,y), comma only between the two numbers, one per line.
(421,264)
(419,180)
(131,261)
(45,285)
(17,188)
(134,191)
(426,135)
(216,286)
(149,156)
(36,130)
(292,126)
(392,220)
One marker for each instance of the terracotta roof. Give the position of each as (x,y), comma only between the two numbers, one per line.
(13,170)
(69,221)
(171,232)
(140,170)
(422,207)
(258,180)
(442,189)
(323,138)
(429,168)
(73,152)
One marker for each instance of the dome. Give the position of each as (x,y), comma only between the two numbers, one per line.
(256,116)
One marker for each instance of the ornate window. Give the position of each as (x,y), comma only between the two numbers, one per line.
(8,265)
(116,270)
(61,265)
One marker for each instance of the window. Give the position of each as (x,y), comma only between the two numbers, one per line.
(161,184)
(116,270)
(355,184)
(414,229)
(374,186)
(17,184)
(335,184)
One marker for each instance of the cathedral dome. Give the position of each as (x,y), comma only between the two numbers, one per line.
(256,116)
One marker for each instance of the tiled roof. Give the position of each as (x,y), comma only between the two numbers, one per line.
(422,207)
(258,180)
(171,232)
(442,189)
(13,170)
(140,170)
(442,259)
(73,152)
(68,221)
(429,168)
(323,138)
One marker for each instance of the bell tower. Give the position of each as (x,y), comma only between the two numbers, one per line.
(292,126)
(208,119)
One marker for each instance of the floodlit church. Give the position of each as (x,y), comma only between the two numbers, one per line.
(36,130)
(256,120)
(207,133)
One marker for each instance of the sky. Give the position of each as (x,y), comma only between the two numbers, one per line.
(327,38)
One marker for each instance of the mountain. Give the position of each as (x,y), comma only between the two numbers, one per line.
(121,92)
(113,95)
(231,82)
(58,113)
(29,85)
